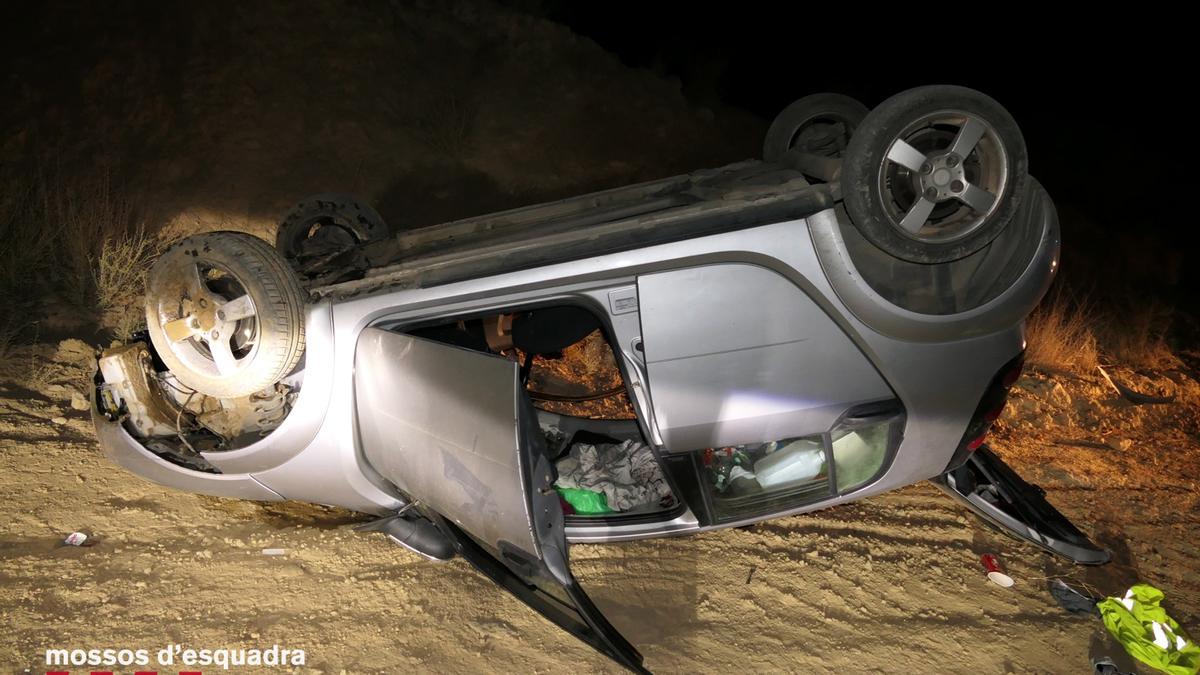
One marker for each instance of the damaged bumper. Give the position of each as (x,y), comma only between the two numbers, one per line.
(125,450)
(1002,499)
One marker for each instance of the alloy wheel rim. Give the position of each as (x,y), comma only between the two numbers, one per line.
(209,320)
(943,177)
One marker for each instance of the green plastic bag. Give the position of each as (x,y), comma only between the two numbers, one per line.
(1139,622)
(585,502)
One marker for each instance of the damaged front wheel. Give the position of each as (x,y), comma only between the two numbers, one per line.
(225,313)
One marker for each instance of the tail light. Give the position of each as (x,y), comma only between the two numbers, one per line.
(991,404)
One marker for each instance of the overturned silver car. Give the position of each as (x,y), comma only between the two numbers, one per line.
(840,319)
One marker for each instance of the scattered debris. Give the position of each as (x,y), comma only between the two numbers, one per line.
(1104,665)
(1059,395)
(751,574)
(1132,396)
(59,420)
(1076,601)
(274,551)
(994,572)
(1084,443)
(80,539)
(626,473)
(583,502)
(78,402)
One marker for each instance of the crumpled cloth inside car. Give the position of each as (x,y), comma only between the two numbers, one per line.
(626,473)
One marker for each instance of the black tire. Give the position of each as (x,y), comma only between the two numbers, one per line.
(347,222)
(188,290)
(880,193)
(821,124)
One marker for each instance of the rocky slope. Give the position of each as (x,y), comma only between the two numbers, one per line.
(222,115)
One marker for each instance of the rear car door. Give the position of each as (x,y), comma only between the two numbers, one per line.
(454,430)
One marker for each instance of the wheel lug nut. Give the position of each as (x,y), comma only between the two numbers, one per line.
(926,168)
(203,302)
(195,324)
(951,160)
(957,186)
(931,193)
(215,335)
(221,314)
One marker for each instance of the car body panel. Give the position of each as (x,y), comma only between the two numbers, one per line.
(455,427)
(128,452)
(308,413)
(724,371)
(729,198)
(441,422)
(1008,308)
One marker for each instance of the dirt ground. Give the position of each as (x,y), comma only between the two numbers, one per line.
(886,584)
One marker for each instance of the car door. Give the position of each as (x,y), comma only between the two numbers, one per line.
(453,429)
(737,353)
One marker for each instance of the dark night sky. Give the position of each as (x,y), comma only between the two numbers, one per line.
(1095,106)
(1100,97)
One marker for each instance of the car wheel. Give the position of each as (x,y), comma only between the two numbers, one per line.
(934,174)
(323,226)
(225,313)
(820,124)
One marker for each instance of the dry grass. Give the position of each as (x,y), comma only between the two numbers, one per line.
(86,214)
(1136,335)
(1070,333)
(38,374)
(1060,334)
(446,125)
(26,259)
(75,238)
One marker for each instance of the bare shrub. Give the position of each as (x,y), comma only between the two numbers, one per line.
(119,279)
(73,237)
(1060,334)
(85,213)
(8,335)
(38,374)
